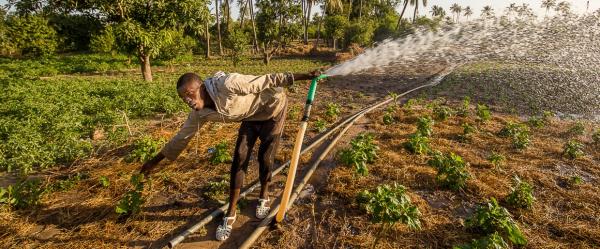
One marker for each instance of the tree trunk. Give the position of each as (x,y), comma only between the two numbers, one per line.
(218,28)
(401,15)
(145,63)
(334,43)
(360,9)
(266,55)
(207,41)
(227,16)
(318,35)
(242,14)
(416,11)
(251,6)
(309,8)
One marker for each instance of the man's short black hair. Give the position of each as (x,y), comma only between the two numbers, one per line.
(188,78)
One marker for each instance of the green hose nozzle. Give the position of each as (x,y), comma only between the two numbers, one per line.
(313,87)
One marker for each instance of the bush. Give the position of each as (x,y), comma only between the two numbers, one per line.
(335,26)
(573,149)
(521,195)
(144,149)
(362,151)
(452,170)
(32,35)
(491,217)
(181,46)
(417,144)
(237,41)
(105,41)
(220,153)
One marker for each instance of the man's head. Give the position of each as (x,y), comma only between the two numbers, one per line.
(192,91)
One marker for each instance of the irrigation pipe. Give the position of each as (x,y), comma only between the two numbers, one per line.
(267,221)
(181,236)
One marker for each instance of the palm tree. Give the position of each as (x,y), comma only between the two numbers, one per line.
(563,7)
(402,14)
(437,11)
(456,9)
(487,12)
(510,9)
(468,12)
(548,4)
(416,4)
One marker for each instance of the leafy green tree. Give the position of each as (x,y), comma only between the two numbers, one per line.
(31,35)
(335,27)
(438,11)
(237,41)
(277,25)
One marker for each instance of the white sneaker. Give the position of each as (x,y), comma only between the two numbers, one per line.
(262,209)
(224,230)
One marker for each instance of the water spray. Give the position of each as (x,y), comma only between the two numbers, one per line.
(287,191)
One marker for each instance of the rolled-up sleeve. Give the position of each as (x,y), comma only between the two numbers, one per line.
(178,143)
(246,84)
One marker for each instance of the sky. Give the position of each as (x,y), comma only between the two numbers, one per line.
(579,6)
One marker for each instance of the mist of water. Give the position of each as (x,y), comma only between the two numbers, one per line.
(565,49)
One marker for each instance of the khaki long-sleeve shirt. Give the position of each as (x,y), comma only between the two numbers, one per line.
(237,98)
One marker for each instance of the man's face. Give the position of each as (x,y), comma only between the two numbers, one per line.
(190,94)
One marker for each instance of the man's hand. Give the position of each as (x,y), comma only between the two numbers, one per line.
(151,164)
(308,76)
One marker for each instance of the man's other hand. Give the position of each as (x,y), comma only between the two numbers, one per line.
(151,164)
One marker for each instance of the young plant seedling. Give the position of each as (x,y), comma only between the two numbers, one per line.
(521,195)
(417,144)
(452,170)
(425,126)
(362,151)
(491,217)
(389,205)
(294,112)
(483,113)
(497,160)
(573,149)
(144,149)
(519,134)
(216,190)
(468,131)
(463,111)
(333,110)
(442,112)
(104,181)
(220,153)
(596,137)
(23,194)
(576,180)
(132,202)
(491,241)
(320,125)
(577,129)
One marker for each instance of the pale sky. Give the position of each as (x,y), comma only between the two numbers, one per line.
(579,6)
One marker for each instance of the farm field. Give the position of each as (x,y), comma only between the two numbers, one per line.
(73,205)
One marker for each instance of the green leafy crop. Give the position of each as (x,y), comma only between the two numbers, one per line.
(425,126)
(484,113)
(220,153)
(144,149)
(577,129)
(362,151)
(333,110)
(388,116)
(463,111)
(496,159)
(442,112)
(217,189)
(492,241)
(21,195)
(320,125)
(573,149)
(521,195)
(389,205)
(519,134)
(596,137)
(491,217)
(132,202)
(418,144)
(452,170)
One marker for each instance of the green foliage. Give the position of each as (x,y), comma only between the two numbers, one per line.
(220,153)
(491,217)
(576,180)
(23,194)
(521,195)
(425,126)
(144,149)
(320,125)
(32,35)
(104,181)
(275,24)
(491,241)
(388,118)
(483,113)
(496,159)
(577,129)
(294,112)
(519,134)
(442,112)
(335,26)
(181,47)
(452,170)
(68,183)
(216,190)
(75,30)
(573,149)
(468,131)
(362,151)
(389,205)
(360,32)
(596,137)
(333,110)
(132,202)
(105,41)
(463,111)
(237,41)
(418,144)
